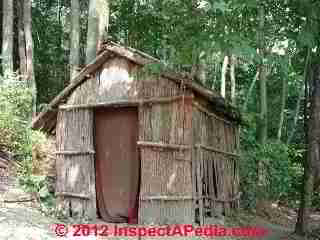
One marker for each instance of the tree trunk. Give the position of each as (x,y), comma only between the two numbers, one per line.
(92,31)
(263,121)
(98,19)
(283,106)
(233,79)
(198,69)
(201,73)
(216,69)
(311,170)
(223,76)
(7,36)
(22,42)
(296,116)
(253,83)
(297,111)
(104,11)
(29,49)
(74,39)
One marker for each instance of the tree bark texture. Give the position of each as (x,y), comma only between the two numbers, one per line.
(283,106)
(98,19)
(233,79)
(92,31)
(253,83)
(7,36)
(312,164)
(297,111)
(200,66)
(223,76)
(22,41)
(29,50)
(75,39)
(104,11)
(263,120)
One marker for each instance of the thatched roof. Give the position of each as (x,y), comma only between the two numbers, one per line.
(46,120)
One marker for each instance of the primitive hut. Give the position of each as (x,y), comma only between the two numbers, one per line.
(141,147)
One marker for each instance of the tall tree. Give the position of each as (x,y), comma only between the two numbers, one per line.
(245,104)
(30,78)
(7,36)
(74,38)
(98,20)
(104,12)
(233,78)
(223,76)
(262,123)
(263,108)
(21,41)
(283,106)
(312,160)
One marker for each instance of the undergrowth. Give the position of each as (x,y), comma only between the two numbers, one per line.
(281,167)
(17,138)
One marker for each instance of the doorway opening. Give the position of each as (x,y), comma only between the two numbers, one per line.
(117,164)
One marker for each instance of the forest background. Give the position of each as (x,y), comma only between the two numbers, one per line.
(262,56)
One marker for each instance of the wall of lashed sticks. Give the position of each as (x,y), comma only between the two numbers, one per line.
(188,157)
(165,140)
(215,170)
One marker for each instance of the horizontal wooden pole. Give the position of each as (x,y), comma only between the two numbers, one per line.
(211,114)
(212,149)
(165,198)
(118,103)
(166,99)
(88,152)
(163,145)
(177,198)
(222,200)
(19,200)
(73,195)
(127,103)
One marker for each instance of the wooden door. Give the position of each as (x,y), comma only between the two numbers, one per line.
(117,164)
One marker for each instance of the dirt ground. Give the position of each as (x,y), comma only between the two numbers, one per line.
(23,220)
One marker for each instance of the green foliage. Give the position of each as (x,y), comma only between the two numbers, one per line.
(282,171)
(18,138)
(15,105)
(36,183)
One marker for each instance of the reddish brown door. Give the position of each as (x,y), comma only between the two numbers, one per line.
(117,164)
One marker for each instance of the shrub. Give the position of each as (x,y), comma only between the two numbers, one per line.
(15,106)
(281,170)
(17,138)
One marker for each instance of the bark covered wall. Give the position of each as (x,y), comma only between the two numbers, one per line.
(165,140)
(75,137)
(215,158)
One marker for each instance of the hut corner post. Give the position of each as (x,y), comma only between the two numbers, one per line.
(75,164)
